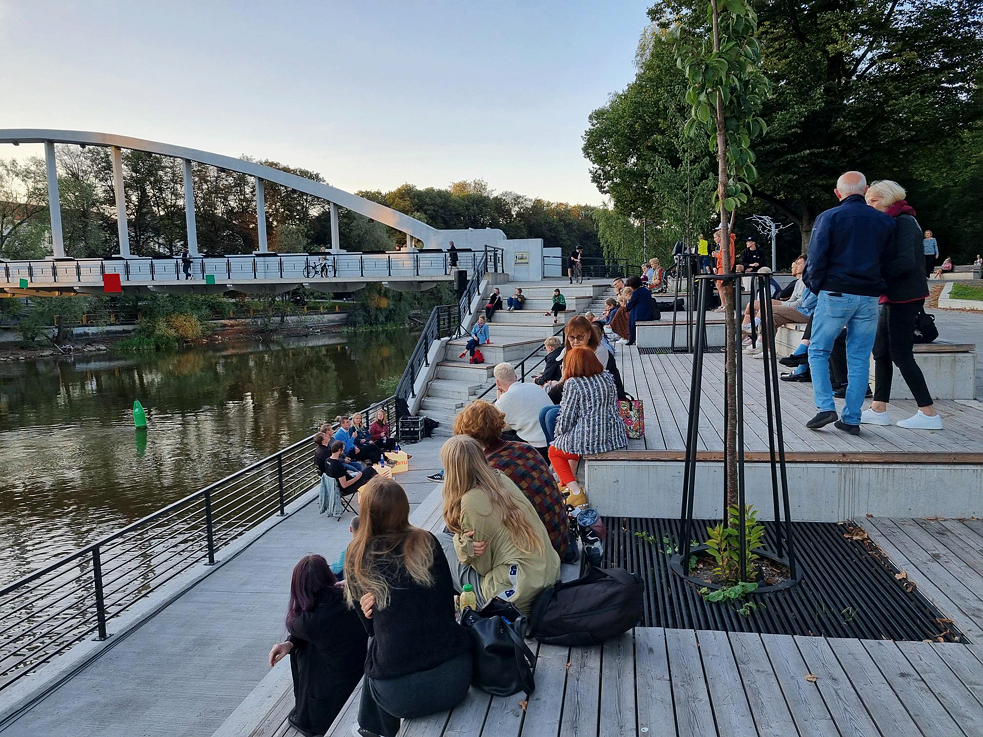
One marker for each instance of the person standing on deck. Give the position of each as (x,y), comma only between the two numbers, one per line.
(930,247)
(849,247)
(452,255)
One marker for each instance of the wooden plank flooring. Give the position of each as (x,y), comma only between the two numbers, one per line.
(662,382)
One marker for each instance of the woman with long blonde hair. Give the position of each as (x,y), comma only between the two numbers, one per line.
(497,542)
(419,657)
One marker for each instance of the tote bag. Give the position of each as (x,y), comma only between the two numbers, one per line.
(633,414)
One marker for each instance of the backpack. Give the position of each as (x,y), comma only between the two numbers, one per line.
(477,357)
(925,329)
(601,605)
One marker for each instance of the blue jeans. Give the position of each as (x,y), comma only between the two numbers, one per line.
(858,314)
(547,420)
(514,303)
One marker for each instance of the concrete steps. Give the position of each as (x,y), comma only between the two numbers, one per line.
(533,317)
(448,389)
(541,305)
(497,352)
(470,374)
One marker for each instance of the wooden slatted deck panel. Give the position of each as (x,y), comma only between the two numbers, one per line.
(686,683)
(662,382)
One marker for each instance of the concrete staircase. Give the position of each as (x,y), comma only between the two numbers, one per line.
(514,335)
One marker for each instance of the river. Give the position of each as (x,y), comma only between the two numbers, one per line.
(72,468)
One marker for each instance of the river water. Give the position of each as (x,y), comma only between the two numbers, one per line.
(72,468)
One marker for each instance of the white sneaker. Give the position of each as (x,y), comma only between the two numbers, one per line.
(751,348)
(623,341)
(870,417)
(759,355)
(921,421)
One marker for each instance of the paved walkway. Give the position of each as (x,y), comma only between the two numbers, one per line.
(187,668)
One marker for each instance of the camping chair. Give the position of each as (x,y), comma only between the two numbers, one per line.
(330,499)
(346,502)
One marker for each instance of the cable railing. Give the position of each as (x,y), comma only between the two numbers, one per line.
(46,612)
(591,267)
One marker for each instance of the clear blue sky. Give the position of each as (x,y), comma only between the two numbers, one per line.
(370,94)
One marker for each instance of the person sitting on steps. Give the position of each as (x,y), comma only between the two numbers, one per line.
(559,305)
(479,336)
(494,303)
(516,301)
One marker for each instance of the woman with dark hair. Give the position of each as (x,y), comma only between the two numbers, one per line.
(419,657)
(494,303)
(638,307)
(326,645)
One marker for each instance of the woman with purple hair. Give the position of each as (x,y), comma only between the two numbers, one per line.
(326,645)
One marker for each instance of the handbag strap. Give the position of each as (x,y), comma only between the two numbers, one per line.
(523,655)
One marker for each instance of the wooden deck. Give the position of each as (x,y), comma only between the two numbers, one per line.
(686,683)
(662,382)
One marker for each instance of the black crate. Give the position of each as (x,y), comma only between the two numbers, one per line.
(410,429)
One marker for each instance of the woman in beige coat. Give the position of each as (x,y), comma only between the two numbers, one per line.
(497,542)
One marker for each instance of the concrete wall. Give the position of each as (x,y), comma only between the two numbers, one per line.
(948,375)
(531,251)
(467,238)
(555,265)
(819,492)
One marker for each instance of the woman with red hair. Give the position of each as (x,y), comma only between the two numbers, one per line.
(588,422)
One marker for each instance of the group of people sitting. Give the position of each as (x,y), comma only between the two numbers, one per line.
(387,610)
(351,452)
(632,302)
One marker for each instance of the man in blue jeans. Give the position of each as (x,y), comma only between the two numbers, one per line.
(848,247)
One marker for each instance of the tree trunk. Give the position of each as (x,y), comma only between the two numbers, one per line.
(728,297)
(805,228)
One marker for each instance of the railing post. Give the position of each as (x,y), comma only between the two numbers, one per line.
(209,529)
(100,602)
(279,482)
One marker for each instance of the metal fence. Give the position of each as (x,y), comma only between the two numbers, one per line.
(48,611)
(592,267)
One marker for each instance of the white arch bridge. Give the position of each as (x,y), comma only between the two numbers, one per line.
(260,272)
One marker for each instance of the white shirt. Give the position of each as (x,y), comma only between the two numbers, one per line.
(521,405)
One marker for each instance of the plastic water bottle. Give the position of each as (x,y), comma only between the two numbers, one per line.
(396,446)
(468,599)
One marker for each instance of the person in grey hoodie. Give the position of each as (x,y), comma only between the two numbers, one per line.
(901,303)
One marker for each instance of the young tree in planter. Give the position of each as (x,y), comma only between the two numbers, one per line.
(722,59)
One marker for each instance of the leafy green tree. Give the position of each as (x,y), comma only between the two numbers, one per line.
(726,90)
(23,206)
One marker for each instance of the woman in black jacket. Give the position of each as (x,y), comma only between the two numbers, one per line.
(907,289)
(494,303)
(551,365)
(326,646)
(419,657)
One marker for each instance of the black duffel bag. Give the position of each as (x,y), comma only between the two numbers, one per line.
(503,663)
(601,605)
(925,329)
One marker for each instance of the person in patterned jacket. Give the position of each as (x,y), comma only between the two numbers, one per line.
(526,468)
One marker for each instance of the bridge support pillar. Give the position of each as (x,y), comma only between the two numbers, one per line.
(189,209)
(261,215)
(124,231)
(54,200)
(335,238)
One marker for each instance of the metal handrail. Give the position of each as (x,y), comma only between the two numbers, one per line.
(606,267)
(522,364)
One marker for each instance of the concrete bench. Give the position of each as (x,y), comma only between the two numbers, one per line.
(658,333)
(949,367)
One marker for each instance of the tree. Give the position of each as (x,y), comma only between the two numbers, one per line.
(23,207)
(726,90)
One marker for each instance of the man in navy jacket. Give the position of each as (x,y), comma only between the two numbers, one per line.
(640,306)
(850,244)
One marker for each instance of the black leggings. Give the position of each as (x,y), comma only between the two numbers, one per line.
(893,345)
(929,264)
(557,307)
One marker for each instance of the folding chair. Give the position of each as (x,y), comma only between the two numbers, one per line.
(346,503)
(329,497)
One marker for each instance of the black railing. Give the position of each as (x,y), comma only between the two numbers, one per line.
(442,323)
(521,369)
(48,611)
(591,267)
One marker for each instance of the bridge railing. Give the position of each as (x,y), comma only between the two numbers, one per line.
(593,267)
(302,268)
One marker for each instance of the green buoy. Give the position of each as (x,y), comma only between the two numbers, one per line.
(139,416)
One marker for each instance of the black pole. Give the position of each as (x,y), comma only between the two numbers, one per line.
(768,328)
(739,381)
(100,602)
(279,483)
(209,530)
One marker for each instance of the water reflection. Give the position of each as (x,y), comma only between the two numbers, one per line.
(72,466)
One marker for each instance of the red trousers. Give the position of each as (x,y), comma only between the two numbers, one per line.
(561,464)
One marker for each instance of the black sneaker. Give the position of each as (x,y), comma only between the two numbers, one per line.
(805,376)
(841,392)
(852,429)
(439,476)
(822,419)
(796,359)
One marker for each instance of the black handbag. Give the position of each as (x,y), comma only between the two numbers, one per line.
(503,663)
(925,329)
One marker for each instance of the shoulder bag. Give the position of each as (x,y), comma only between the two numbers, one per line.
(503,663)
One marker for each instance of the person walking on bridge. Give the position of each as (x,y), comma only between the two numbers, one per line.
(186,263)
(849,246)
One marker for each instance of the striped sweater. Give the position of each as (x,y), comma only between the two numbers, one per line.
(589,422)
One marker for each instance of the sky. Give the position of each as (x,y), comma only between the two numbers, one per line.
(369,93)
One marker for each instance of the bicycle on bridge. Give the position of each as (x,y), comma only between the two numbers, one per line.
(321,268)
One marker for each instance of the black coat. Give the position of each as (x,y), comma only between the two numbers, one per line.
(551,369)
(905,272)
(326,661)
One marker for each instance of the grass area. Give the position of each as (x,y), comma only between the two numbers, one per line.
(965,291)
